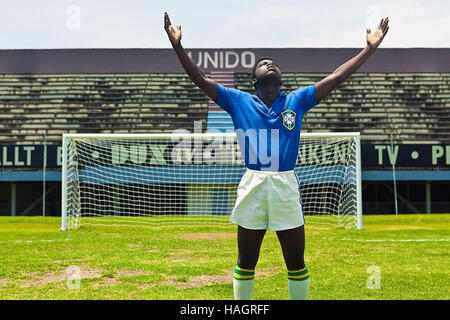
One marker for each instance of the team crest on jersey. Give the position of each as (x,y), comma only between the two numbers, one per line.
(288,119)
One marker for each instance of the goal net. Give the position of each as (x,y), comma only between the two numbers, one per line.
(182,180)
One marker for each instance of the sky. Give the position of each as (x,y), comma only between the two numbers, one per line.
(31,24)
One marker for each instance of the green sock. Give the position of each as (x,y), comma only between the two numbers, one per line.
(243,283)
(298,283)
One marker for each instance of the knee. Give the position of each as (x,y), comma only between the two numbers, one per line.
(295,262)
(247,261)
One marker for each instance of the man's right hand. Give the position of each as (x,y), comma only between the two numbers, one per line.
(209,87)
(174,35)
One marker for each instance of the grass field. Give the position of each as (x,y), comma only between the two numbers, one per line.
(411,252)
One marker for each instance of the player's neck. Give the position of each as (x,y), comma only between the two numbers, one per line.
(268,93)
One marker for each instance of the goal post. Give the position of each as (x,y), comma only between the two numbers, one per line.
(185,179)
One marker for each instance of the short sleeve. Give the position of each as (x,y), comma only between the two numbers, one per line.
(227,98)
(306,97)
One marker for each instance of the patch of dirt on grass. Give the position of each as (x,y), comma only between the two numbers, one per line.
(134,245)
(406,227)
(203,280)
(111,281)
(62,275)
(208,236)
(400,227)
(192,282)
(115,235)
(199,281)
(183,254)
(4,281)
(70,260)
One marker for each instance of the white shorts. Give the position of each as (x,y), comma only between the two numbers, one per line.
(268,200)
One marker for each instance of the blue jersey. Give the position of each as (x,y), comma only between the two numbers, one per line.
(268,138)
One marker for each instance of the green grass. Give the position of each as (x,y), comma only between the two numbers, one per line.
(197,263)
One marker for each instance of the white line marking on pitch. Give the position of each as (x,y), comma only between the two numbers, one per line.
(397,240)
(31,241)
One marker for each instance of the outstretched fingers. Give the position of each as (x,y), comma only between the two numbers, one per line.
(384,24)
(380,24)
(385,31)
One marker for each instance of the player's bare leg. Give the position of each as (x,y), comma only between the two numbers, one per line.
(249,245)
(292,243)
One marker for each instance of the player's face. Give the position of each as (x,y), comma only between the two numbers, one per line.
(267,68)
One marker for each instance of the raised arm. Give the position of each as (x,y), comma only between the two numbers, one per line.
(190,67)
(327,85)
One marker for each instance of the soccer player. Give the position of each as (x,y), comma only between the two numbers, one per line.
(268,128)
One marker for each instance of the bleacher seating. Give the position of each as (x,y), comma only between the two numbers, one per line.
(413,107)
(51,104)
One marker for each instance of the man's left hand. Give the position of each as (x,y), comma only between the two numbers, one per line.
(374,39)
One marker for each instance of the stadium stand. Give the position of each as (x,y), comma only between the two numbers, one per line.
(48,104)
(413,107)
